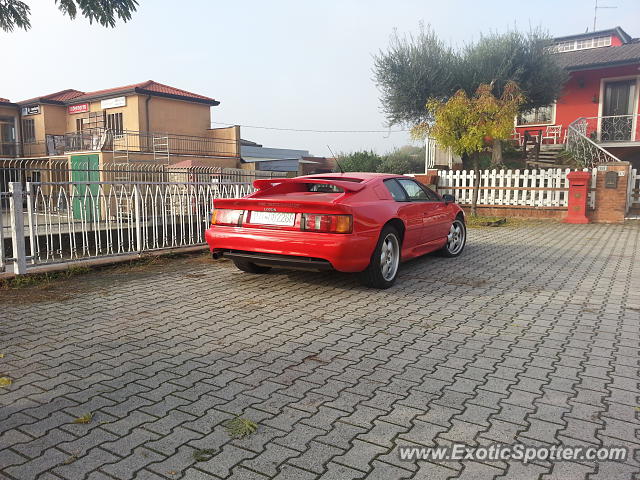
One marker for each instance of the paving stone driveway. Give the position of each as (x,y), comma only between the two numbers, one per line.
(531,336)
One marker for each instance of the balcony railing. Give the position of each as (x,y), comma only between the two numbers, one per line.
(161,144)
(610,129)
(145,142)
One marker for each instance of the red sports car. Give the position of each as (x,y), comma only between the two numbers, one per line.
(350,222)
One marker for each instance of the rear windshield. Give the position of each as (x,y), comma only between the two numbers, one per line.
(323,188)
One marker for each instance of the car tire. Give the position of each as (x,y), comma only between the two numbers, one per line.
(456,239)
(250,267)
(385,261)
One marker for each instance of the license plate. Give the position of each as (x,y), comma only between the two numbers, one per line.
(273,218)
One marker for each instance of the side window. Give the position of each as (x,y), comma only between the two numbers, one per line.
(396,191)
(433,196)
(418,192)
(414,190)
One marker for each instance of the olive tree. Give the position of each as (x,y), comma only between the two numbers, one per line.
(16,13)
(416,68)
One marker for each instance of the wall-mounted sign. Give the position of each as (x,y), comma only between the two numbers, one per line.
(79,108)
(32,110)
(113,102)
(611,180)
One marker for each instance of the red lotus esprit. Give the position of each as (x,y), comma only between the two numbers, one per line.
(350,222)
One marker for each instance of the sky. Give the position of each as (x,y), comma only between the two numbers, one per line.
(282,64)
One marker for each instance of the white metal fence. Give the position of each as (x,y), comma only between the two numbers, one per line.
(4,197)
(63,221)
(68,212)
(532,188)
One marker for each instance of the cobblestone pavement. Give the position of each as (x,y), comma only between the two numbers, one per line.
(531,336)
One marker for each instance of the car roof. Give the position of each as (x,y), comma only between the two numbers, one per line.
(364,176)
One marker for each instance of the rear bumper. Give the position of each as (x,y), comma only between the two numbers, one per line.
(342,252)
(273,260)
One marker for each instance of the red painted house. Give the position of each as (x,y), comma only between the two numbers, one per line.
(600,99)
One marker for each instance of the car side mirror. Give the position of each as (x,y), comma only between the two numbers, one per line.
(448,198)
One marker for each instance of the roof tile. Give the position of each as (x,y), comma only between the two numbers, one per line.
(61,96)
(598,57)
(151,86)
(74,96)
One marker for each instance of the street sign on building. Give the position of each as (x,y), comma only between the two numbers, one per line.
(32,110)
(113,102)
(78,108)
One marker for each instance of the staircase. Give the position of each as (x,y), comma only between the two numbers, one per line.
(547,157)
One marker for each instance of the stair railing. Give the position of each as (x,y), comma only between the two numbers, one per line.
(585,150)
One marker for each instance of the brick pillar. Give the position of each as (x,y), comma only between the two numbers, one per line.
(611,201)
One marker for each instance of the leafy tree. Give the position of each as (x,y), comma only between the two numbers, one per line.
(414,69)
(514,57)
(407,159)
(15,13)
(467,123)
(417,68)
(523,58)
(362,161)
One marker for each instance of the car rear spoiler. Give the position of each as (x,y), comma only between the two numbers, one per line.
(347,186)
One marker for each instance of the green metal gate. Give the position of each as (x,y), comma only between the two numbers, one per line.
(85,168)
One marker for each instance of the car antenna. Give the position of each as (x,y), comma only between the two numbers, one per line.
(336,159)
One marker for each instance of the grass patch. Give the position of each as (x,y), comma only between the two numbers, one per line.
(479,221)
(36,280)
(86,418)
(240,427)
(492,222)
(39,279)
(204,455)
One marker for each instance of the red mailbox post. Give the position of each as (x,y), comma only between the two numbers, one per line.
(578,195)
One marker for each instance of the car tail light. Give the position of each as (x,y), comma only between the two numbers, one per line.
(314,222)
(225,216)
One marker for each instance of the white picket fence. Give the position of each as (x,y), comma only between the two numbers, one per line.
(532,188)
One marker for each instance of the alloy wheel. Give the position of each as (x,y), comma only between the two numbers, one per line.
(456,237)
(389,257)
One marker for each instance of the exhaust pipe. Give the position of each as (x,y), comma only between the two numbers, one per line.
(216,255)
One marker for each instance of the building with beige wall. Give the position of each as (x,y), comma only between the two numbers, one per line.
(148,123)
